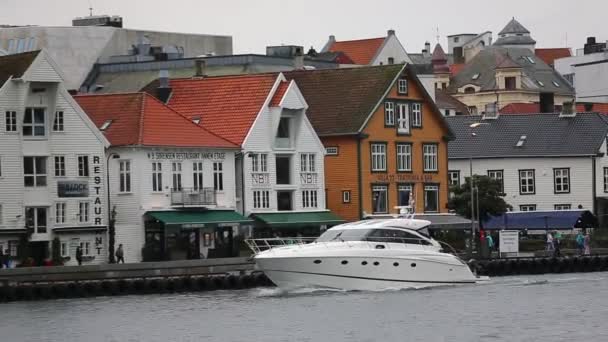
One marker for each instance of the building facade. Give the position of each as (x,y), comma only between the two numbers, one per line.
(385,140)
(52,166)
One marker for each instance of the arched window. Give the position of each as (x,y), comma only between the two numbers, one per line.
(469,90)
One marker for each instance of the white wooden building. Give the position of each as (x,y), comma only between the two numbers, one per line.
(546,162)
(52,165)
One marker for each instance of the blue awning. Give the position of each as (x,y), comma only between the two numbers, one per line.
(547,220)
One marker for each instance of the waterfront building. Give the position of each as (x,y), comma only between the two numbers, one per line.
(280,180)
(372,51)
(385,140)
(103,39)
(52,166)
(545,162)
(172,182)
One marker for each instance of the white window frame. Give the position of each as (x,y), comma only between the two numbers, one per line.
(524,182)
(64,249)
(527,207)
(218,176)
(198,175)
(416,114)
(562,207)
(380,188)
(157,177)
(261,199)
(124,170)
(454,181)
(606,179)
(83,166)
(402,87)
(33,125)
(403,118)
(84,212)
(308,162)
(389,113)
(310,199)
(404,157)
(404,187)
(85,246)
(331,151)
(176,175)
(10,121)
(35,224)
(259,162)
(346,196)
(430,153)
(40,177)
(59,162)
(435,188)
(562,174)
(60,212)
(378,156)
(498,175)
(58,121)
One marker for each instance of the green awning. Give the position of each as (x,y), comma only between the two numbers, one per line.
(298,219)
(198,219)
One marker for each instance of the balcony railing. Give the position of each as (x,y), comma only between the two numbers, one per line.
(193,197)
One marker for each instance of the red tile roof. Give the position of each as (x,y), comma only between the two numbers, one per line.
(140,119)
(550,55)
(360,51)
(226,105)
(279,93)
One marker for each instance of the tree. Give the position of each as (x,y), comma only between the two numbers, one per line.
(491,201)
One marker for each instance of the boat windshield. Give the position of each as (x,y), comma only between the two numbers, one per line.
(377,235)
(344,235)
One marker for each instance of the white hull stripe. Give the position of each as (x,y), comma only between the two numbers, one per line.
(380,279)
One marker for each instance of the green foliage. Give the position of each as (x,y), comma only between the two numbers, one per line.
(491,201)
(56,250)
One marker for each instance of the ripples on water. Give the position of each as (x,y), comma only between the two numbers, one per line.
(567,307)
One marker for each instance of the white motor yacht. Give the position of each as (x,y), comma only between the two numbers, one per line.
(367,255)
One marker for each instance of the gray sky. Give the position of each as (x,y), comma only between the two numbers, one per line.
(253,24)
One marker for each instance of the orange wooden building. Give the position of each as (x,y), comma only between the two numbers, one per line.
(385,140)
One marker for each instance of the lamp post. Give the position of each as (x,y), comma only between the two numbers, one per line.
(111,212)
(472,186)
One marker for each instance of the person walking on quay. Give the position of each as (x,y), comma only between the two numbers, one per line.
(490,242)
(79,255)
(580,242)
(557,241)
(587,244)
(120,254)
(550,246)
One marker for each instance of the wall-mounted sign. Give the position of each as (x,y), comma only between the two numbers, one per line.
(186,155)
(73,188)
(402,177)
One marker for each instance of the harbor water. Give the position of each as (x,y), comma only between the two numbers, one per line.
(557,307)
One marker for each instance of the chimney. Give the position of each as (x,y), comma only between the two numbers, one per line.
(298,59)
(201,68)
(458,55)
(164,90)
(390,32)
(427,50)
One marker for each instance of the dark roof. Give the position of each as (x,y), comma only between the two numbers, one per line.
(514,27)
(546,135)
(487,60)
(446,101)
(420,58)
(515,40)
(340,100)
(15,65)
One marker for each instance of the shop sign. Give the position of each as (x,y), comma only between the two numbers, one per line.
(402,178)
(193,225)
(73,188)
(509,241)
(97,205)
(186,155)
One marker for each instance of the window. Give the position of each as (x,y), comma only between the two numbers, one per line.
(197,175)
(404,194)
(556,84)
(261,199)
(473,110)
(346,196)
(125,175)
(380,199)
(526,182)
(283,169)
(606,179)
(31,44)
(259,162)
(157,177)
(34,171)
(498,175)
(389,114)
(85,246)
(59,166)
(331,151)
(402,86)
(475,77)
(527,207)
(284,200)
(58,122)
(13,247)
(83,166)
(11,121)
(431,198)
(540,83)
(83,212)
(307,162)
(218,176)
(283,138)
(309,199)
(378,156)
(60,212)
(456,39)
(530,59)
(561,180)
(403,118)
(454,178)
(469,90)
(11,45)
(35,219)
(34,122)
(416,115)
(510,83)
(429,152)
(562,207)
(176,172)
(21,45)
(404,157)
(391,60)
(65,249)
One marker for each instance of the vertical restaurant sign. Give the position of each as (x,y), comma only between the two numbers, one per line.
(97,204)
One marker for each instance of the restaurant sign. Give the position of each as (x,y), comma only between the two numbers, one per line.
(403,177)
(73,188)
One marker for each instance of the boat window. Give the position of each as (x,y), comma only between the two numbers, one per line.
(344,235)
(395,236)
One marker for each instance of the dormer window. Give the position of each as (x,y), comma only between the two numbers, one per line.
(196,119)
(402,86)
(530,59)
(469,90)
(283,137)
(556,84)
(510,83)
(521,141)
(540,83)
(475,77)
